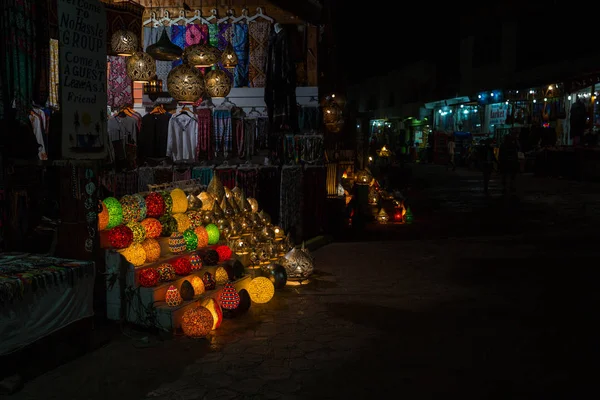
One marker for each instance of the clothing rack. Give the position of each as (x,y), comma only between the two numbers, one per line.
(183,185)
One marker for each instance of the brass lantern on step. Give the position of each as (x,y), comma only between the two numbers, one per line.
(218,83)
(185,83)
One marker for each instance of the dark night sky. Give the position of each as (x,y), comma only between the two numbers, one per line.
(394,37)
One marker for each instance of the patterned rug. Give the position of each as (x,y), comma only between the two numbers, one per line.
(22,272)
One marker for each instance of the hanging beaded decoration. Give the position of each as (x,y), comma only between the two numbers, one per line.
(92,208)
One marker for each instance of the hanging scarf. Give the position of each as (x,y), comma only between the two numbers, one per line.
(240,144)
(258,33)
(204,174)
(249,136)
(222,131)
(240,46)
(291,197)
(247,180)
(119,85)
(227,176)
(203,149)
(178,38)
(145,178)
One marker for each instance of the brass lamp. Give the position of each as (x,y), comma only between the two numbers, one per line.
(332,112)
(185,83)
(218,83)
(363,177)
(141,67)
(201,55)
(164,49)
(124,43)
(229,59)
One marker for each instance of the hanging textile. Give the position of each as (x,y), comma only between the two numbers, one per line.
(269,186)
(213,35)
(19,52)
(247,180)
(205,174)
(145,178)
(54,68)
(258,38)
(178,38)
(224,37)
(119,85)
(196,34)
(41,87)
(311,148)
(227,176)
(262,134)
(182,174)
(163,175)
(152,139)
(280,86)
(151,36)
(309,119)
(313,206)
(222,131)
(249,136)
(291,197)
(203,150)
(239,144)
(240,46)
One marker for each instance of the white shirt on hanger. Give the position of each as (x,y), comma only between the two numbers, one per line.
(182,138)
(38,131)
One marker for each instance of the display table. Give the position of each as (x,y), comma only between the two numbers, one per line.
(40,295)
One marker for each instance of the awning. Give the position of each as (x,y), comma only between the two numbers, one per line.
(449,102)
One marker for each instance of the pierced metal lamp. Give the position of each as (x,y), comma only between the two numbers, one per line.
(229,59)
(201,55)
(141,67)
(124,43)
(164,49)
(185,83)
(218,83)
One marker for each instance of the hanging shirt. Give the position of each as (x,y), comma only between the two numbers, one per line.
(38,131)
(152,139)
(182,138)
(124,128)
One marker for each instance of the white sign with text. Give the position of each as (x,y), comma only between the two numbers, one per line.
(82,45)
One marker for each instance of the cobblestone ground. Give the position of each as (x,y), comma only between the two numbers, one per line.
(491,302)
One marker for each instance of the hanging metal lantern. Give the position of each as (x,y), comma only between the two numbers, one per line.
(218,83)
(124,43)
(201,55)
(185,83)
(164,49)
(141,67)
(229,59)
(332,112)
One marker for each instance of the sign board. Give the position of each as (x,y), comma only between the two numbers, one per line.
(498,113)
(82,46)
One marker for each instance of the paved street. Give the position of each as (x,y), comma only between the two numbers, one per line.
(477,298)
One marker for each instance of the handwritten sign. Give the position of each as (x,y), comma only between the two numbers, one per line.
(82,44)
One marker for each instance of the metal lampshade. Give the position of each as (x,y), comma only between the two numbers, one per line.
(218,83)
(332,112)
(141,67)
(201,55)
(185,83)
(164,49)
(363,177)
(229,59)
(124,43)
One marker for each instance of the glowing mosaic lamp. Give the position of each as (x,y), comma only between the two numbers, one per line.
(191,240)
(202,236)
(196,262)
(152,249)
(197,322)
(408,217)
(141,67)
(124,43)
(221,276)
(115,212)
(183,222)
(224,252)
(166,272)
(139,233)
(182,266)
(135,254)
(152,227)
(213,233)
(173,298)
(168,201)
(103,217)
(228,297)
(120,237)
(148,277)
(180,201)
(197,284)
(177,243)
(261,290)
(215,309)
(155,205)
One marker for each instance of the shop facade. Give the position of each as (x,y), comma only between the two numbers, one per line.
(135,152)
